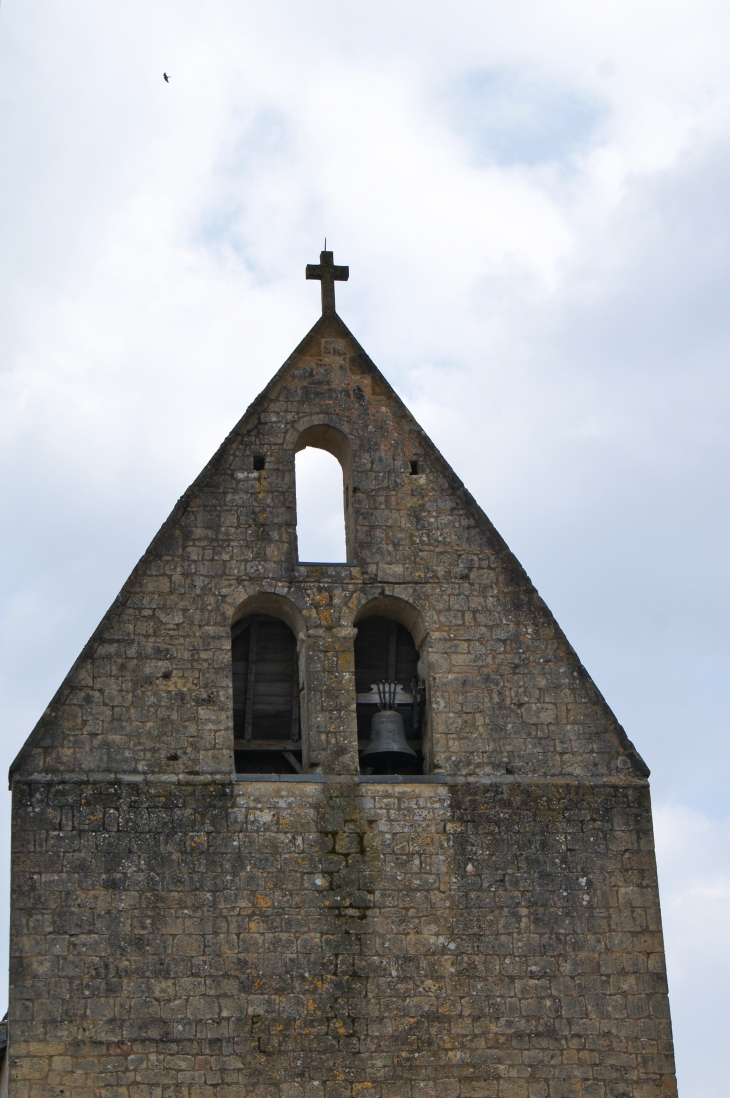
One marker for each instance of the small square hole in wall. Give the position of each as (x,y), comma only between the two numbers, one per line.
(259,462)
(414,468)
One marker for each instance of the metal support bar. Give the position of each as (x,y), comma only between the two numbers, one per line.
(267,745)
(295,702)
(392,649)
(251,679)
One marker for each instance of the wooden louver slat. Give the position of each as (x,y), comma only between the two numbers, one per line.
(265,681)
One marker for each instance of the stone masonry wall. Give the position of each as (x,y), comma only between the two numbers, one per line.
(203,938)
(152,690)
(489,931)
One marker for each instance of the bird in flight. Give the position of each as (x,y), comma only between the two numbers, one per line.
(166,78)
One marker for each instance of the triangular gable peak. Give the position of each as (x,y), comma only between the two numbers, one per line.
(503,692)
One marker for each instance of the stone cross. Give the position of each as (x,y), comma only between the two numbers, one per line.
(326,273)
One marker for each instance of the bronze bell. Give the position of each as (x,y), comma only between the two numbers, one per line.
(388,745)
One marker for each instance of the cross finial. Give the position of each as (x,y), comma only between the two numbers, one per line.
(326,273)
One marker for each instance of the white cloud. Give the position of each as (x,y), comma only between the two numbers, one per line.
(320,511)
(532,201)
(693,854)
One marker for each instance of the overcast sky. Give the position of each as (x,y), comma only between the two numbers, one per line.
(534,201)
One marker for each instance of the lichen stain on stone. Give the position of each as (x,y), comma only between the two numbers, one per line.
(334,938)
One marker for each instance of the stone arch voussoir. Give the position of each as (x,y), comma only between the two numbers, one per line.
(278,600)
(323,432)
(397,609)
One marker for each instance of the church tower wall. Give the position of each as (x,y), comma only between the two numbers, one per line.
(479,939)
(486,928)
(151,693)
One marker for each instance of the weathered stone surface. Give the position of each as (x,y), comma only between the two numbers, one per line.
(152,690)
(490,932)
(338,939)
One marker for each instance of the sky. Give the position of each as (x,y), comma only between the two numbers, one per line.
(534,202)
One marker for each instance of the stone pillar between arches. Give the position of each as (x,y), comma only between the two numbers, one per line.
(331,722)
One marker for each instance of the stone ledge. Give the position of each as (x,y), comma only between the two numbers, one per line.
(317,777)
(226,778)
(126,778)
(325,572)
(402,779)
(609,780)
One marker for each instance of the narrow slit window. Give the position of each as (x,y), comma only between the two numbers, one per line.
(320,507)
(259,462)
(414,468)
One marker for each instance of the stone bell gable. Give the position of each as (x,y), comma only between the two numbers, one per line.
(151,692)
(221,889)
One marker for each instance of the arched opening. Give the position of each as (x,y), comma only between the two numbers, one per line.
(385,652)
(266,712)
(323,494)
(320,507)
